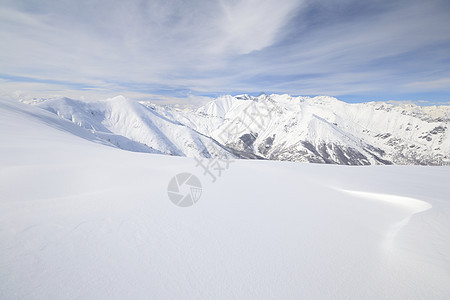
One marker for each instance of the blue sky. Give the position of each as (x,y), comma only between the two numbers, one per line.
(177,50)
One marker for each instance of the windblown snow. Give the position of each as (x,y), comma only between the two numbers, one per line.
(82,219)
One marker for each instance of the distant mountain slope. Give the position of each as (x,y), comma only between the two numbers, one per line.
(325,130)
(132,126)
(277,127)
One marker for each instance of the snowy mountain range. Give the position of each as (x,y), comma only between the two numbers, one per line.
(81,220)
(276,127)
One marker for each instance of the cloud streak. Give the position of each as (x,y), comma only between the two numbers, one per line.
(379,49)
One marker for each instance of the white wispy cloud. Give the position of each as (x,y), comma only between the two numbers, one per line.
(251,25)
(443,83)
(294,46)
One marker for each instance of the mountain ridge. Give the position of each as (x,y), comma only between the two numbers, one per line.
(318,129)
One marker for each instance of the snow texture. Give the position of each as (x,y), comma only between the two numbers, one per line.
(82,219)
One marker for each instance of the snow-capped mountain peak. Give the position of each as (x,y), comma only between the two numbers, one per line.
(320,129)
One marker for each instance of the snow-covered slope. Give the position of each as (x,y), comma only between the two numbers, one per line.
(81,220)
(326,130)
(276,127)
(132,126)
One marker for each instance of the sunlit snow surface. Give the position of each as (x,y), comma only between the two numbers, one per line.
(80,219)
